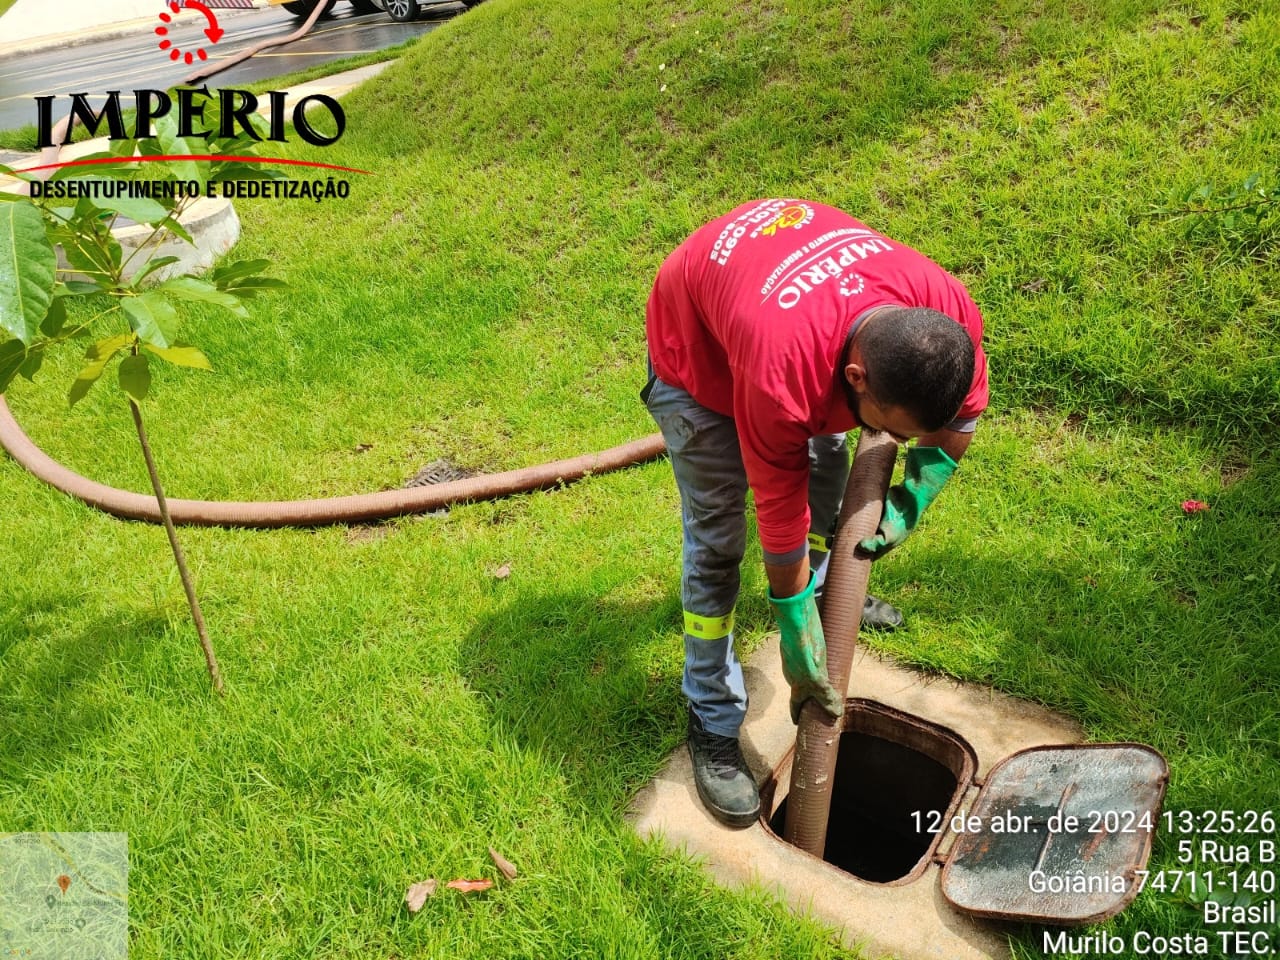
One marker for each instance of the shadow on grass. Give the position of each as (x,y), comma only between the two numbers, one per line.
(50,704)
(594,686)
(592,682)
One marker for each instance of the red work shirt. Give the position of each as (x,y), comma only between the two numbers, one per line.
(750,316)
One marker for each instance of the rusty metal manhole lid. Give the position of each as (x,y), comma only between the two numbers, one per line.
(1103,801)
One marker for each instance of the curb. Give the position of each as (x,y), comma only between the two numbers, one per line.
(214,228)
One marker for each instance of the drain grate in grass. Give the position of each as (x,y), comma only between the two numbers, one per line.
(438,471)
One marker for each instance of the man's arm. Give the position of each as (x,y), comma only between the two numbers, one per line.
(927,470)
(800,641)
(952,442)
(787,580)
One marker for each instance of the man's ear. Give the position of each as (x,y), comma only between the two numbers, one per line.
(856,375)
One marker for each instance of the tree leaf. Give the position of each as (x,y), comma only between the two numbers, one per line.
(261,128)
(137,209)
(13,354)
(100,171)
(151,267)
(181,355)
(31,366)
(502,863)
(191,288)
(250,287)
(240,170)
(88,244)
(174,145)
(27,268)
(233,271)
(99,355)
(103,350)
(135,376)
(54,320)
(149,147)
(178,230)
(418,894)
(78,288)
(82,255)
(152,317)
(469,886)
(9,171)
(239,143)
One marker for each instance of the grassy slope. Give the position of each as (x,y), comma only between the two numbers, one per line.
(395,708)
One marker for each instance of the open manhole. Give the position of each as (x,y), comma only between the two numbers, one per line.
(1055,834)
(896,775)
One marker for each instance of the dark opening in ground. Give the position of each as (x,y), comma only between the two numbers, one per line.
(873,831)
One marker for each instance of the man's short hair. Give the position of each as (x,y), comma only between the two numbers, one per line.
(920,360)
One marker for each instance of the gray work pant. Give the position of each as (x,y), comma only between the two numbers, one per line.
(707,461)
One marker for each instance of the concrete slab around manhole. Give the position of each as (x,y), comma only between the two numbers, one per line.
(911,921)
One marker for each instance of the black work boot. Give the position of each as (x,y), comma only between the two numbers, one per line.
(878,615)
(725,785)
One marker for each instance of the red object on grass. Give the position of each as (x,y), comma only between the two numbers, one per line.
(469,886)
(1194,506)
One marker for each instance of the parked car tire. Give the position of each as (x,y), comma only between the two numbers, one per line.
(401,11)
(303,8)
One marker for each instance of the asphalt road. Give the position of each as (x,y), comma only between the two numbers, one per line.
(137,62)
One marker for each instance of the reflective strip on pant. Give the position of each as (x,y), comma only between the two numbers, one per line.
(819,543)
(708,628)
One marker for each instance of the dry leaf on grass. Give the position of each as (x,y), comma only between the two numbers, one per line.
(418,895)
(506,866)
(502,572)
(469,886)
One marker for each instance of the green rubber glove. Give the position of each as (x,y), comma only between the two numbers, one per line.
(927,471)
(804,652)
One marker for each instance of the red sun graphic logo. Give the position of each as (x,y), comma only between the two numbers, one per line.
(214,32)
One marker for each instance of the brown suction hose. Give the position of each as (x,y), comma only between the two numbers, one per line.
(217,66)
(302,513)
(818,735)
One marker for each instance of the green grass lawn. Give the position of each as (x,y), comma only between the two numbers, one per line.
(396,707)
